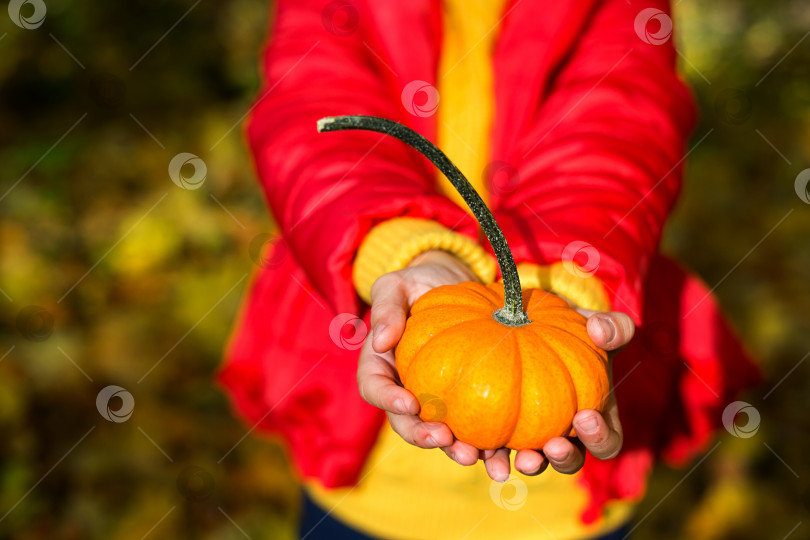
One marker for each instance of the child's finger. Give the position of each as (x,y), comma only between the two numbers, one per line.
(602,439)
(462,453)
(563,455)
(389,308)
(530,462)
(376,381)
(610,330)
(497,465)
(382,392)
(421,434)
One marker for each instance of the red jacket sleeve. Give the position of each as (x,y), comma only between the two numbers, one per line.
(327,190)
(600,162)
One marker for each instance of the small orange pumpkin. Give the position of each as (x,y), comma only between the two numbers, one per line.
(511,377)
(495,385)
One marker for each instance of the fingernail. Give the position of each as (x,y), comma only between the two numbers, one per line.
(431,440)
(400,407)
(607,329)
(502,477)
(378,332)
(588,425)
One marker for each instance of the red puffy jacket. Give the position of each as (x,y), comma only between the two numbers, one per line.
(594,119)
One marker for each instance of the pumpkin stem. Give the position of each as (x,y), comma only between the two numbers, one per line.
(512,313)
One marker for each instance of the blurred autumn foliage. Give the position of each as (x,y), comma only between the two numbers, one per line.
(135,282)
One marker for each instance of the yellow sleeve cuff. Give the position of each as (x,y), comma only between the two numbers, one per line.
(392,244)
(586,292)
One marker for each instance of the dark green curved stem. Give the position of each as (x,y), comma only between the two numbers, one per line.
(512,312)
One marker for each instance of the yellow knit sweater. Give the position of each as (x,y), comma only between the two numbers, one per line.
(407,492)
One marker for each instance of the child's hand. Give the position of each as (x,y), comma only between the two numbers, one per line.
(599,434)
(392,295)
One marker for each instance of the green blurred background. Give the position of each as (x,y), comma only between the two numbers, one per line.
(85,142)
